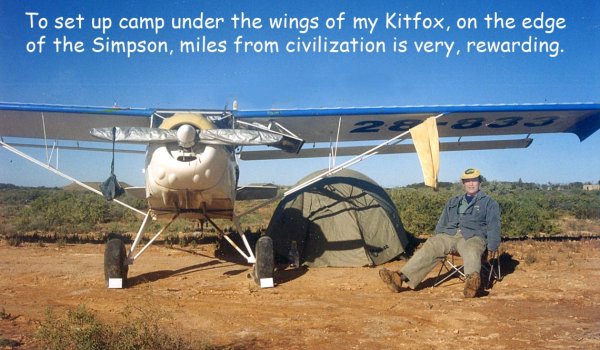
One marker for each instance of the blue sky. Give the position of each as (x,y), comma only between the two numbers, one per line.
(292,80)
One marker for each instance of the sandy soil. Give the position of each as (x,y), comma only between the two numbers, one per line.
(548,299)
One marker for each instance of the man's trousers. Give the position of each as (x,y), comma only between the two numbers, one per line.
(436,248)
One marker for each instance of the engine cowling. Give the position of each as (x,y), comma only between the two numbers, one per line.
(186,175)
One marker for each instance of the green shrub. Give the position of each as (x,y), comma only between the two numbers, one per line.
(525,208)
(419,208)
(70,212)
(81,329)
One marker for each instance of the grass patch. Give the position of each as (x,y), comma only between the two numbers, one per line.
(82,329)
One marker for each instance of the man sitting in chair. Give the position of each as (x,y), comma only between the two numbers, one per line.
(469,224)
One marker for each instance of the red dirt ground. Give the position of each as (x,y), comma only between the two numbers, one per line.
(548,299)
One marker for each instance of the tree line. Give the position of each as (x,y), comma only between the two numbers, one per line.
(526,209)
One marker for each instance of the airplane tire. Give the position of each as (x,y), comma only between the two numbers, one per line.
(265,262)
(115,265)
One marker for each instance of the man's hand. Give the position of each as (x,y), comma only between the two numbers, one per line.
(492,255)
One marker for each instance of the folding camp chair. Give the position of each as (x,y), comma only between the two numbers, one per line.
(489,267)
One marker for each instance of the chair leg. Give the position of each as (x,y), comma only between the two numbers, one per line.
(443,265)
(491,267)
(490,274)
(450,267)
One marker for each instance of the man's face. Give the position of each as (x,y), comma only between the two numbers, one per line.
(471,186)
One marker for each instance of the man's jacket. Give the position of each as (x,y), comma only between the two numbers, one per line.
(481,218)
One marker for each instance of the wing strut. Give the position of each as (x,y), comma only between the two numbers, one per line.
(61,174)
(45,138)
(371,152)
(54,145)
(333,153)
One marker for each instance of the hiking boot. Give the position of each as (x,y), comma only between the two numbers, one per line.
(472,285)
(392,279)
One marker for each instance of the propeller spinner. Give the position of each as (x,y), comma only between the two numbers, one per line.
(186,136)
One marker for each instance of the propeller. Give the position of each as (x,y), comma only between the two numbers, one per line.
(187,136)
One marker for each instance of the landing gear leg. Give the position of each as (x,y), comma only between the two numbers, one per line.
(264,262)
(117,260)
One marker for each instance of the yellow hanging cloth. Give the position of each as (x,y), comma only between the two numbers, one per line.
(427,143)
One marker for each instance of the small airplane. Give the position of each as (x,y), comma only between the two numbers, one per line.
(191,166)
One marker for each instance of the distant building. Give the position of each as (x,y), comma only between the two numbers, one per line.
(591,187)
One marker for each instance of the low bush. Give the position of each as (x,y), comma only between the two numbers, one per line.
(82,329)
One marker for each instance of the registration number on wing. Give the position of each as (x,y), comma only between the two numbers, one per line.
(467,123)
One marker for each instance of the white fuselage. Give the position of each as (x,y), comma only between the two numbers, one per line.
(196,182)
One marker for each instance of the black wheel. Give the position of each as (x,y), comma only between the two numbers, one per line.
(264,259)
(115,265)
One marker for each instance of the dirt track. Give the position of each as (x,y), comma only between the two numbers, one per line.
(548,299)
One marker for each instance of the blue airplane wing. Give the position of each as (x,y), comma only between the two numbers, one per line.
(382,123)
(57,122)
(320,124)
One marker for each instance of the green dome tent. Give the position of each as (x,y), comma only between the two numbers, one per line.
(343,220)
